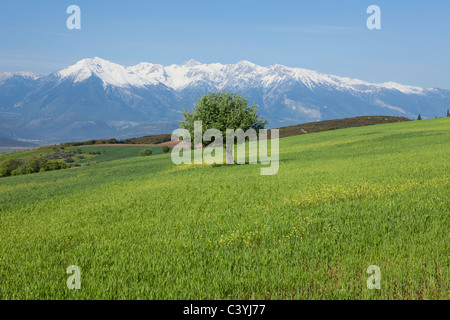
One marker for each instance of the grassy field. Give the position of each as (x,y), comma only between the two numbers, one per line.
(143,228)
(117,152)
(110,152)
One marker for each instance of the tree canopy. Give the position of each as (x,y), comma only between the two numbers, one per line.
(222,111)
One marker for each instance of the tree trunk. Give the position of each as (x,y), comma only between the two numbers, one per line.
(230,158)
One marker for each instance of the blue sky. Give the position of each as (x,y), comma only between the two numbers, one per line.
(413,46)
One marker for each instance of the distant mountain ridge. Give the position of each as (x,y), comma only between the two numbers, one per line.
(5,142)
(95,98)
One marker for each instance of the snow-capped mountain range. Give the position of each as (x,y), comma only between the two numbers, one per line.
(96,98)
(243,75)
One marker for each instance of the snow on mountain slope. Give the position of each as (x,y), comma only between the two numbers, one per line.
(110,73)
(244,74)
(25,75)
(179,77)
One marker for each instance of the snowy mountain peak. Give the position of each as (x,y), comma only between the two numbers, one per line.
(94,61)
(191,63)
(110,73)
(245,63)
(145,67)
(404,88)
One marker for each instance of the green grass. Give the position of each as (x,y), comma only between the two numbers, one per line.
(23,154)
(116,152)
(111,153)
(143,228)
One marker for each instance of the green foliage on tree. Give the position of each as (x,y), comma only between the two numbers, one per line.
(16,167)
(8,166)
(165,149)
(145,152)
(33,165)
(448,113)
(222,111)
(419,117)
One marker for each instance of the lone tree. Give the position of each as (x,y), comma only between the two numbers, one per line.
(448,113)
(222,111)
(419,117)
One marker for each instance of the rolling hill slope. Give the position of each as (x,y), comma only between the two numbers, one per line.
(143,228)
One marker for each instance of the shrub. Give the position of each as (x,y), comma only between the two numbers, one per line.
(33,165)
(16,172)
(69,160)
(56,165)
(145,152)
(9,165)
(165,149)
(90,163)
(15,167)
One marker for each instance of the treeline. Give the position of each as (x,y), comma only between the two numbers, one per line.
(15,167)
(153,139)
(57,160)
